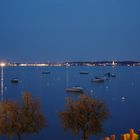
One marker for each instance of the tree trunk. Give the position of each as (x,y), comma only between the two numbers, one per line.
(19,136)
(84,137)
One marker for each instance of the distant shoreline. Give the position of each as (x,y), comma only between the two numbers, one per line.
(88,63)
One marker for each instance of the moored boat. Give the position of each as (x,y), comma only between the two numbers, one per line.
(14,80)
(98,80)
(110,74)
(84,72)
(75,89)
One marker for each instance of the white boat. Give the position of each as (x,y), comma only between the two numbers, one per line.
(75,89)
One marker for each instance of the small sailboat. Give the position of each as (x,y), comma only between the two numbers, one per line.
(14,80)
(84,72)
(98,80)
(75,89)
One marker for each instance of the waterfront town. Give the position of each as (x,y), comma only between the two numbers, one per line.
(80,63)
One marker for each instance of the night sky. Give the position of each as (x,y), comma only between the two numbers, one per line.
(69,30)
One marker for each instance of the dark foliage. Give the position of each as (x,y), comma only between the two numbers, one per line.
(18,119)
(85,114)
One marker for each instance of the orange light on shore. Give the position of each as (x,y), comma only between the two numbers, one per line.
(2,64)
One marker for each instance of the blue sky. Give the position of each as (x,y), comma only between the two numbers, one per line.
(69,30)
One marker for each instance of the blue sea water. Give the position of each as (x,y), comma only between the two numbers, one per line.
(121,94)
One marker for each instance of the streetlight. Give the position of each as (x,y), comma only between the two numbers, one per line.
(2,64)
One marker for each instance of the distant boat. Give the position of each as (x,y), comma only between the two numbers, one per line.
(110,74)
(14,80)
(46,72)
(84,72)
(98,80)
(75,89)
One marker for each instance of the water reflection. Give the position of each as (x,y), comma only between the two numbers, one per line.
(67,77)
(2,84)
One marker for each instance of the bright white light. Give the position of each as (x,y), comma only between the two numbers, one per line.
(2,64)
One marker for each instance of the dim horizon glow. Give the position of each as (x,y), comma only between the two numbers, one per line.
(76,30)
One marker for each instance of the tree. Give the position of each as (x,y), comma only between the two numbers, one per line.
(85,114)
(18,119)
(8,117)
(34,120)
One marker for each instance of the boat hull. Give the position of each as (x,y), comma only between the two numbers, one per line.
(75,89)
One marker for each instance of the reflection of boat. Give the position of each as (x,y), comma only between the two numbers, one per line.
(98,80)
(84,72)
(110,74)
(14,80)
(46,72)
(75,89)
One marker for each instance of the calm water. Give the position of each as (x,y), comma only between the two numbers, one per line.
(124,114)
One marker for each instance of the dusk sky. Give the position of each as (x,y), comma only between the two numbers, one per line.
(69,30)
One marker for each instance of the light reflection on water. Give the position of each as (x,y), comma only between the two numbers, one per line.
(121,94)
